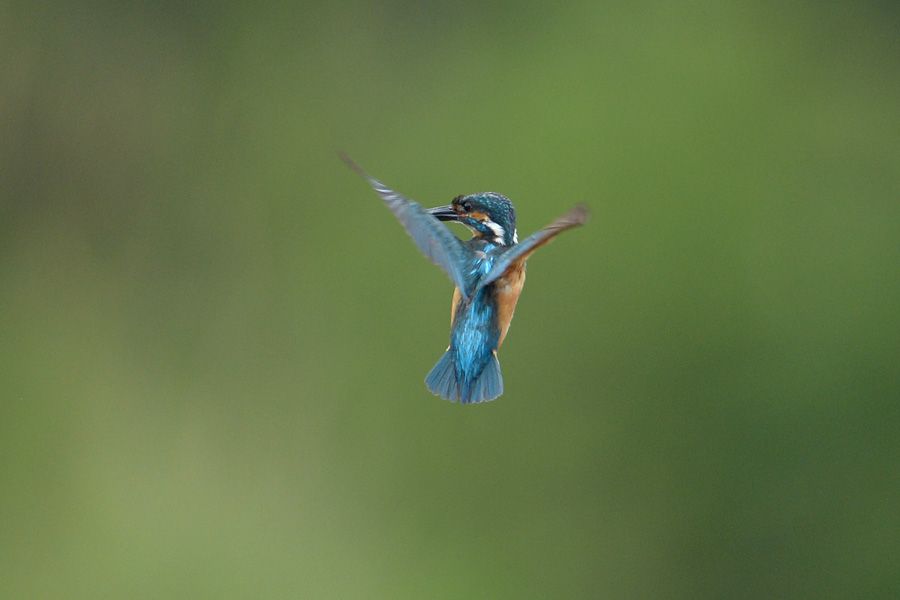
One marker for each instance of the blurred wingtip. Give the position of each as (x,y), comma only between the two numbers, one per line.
(577,215)
(350,162)
(581,213)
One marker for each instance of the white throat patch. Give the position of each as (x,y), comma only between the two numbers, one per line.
(497,230)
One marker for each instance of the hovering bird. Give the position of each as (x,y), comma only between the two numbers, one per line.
(488,271)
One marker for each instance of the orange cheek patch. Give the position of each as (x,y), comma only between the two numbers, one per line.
(478,216)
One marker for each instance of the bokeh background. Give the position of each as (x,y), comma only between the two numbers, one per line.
(214,335)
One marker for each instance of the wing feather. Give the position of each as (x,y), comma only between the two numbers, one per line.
(520,252)
(432,238)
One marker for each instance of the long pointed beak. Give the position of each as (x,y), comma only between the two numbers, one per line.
(445,213)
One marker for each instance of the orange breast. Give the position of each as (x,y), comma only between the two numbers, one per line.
(456,297)
(508,287)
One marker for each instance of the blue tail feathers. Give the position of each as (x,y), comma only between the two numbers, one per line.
(444,381)
(441,381)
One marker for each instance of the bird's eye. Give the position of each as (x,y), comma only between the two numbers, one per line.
(467,206)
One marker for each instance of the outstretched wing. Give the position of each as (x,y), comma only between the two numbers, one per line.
(430,235)
(520,252)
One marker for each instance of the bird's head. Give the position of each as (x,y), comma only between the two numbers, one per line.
(489,215)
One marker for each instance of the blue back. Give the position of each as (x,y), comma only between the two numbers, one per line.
(476,332)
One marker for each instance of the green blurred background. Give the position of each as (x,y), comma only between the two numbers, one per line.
(215,335)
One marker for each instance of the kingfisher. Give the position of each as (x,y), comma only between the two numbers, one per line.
(488,271)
